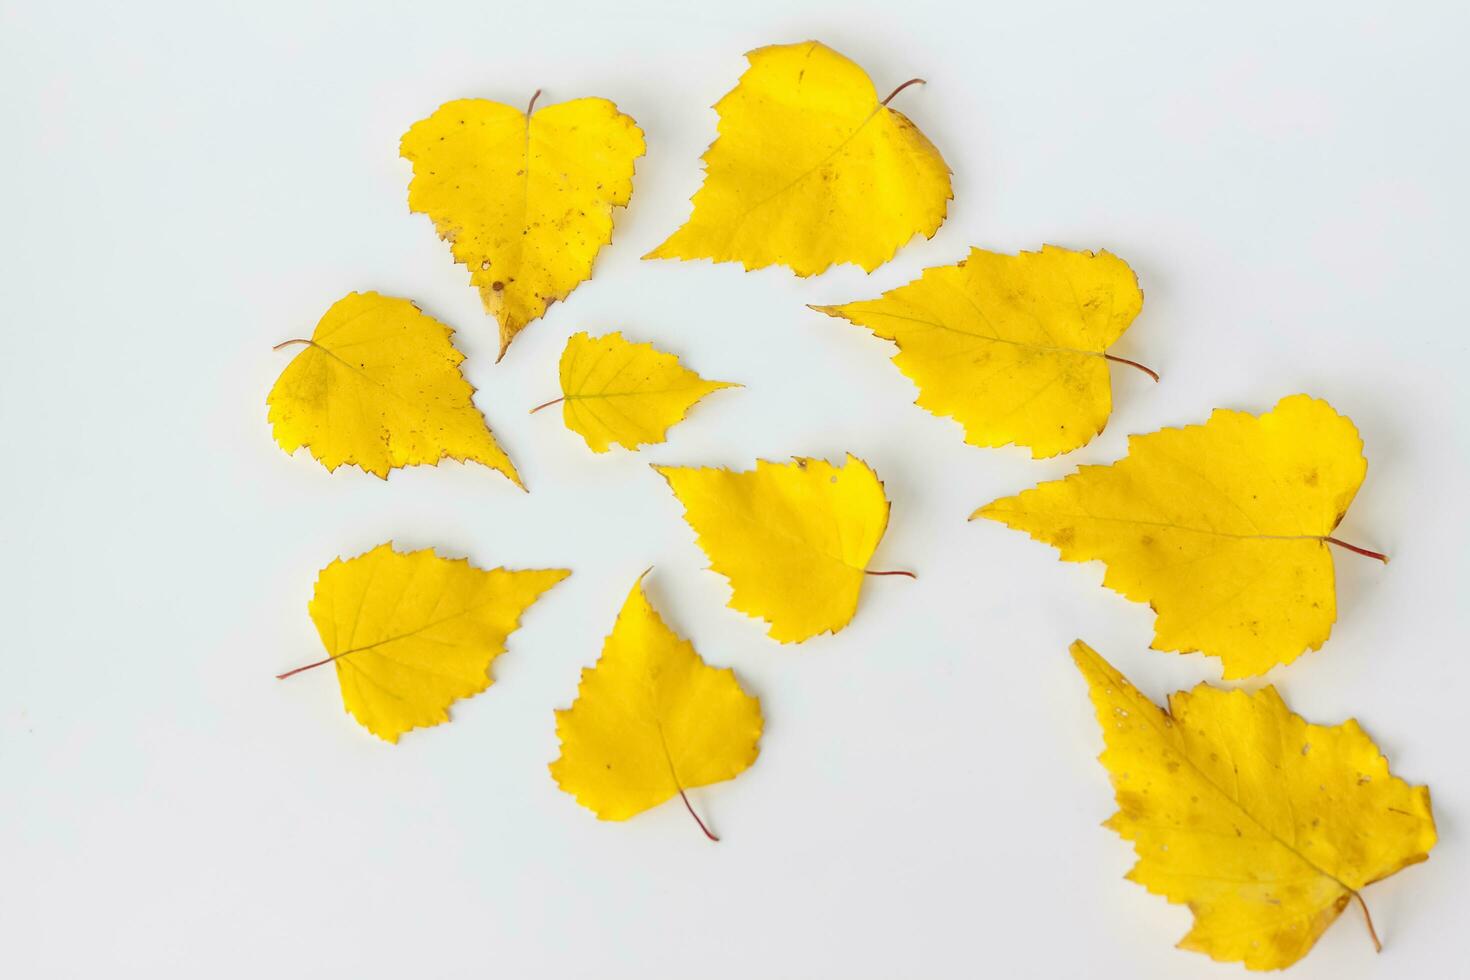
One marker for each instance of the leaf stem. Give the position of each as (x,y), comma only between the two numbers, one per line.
(532,105)
(294,340)
(297,670)
(911,81)
(546,405)
(1372,933)
(717,840)
(1366,554)
(869,571)
(1123,360)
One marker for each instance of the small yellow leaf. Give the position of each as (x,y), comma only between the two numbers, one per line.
(524,201)
(651,720)
(1264,825)
(811,169)
(615,391)
(378,386)
(794,539)
(411,633)
(1222,528)
(1012,347)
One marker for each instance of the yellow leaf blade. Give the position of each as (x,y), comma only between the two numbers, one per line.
(379,386)
(411,633)
(651,718)
(1010,346)
(1222,528)
(615,391)
(810,169)
(525,202)
(793,539)
(1265,825)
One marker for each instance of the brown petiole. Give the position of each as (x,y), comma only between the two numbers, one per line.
(911,81)
(1123,360)
(1366,554)
(696,816)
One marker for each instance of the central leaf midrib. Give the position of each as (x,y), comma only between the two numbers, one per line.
(804,542)
(985,336)
(1167,525)
(415,631)
(831,154)
(590,396)
(1239,807)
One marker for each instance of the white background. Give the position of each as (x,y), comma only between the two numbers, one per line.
(185,186)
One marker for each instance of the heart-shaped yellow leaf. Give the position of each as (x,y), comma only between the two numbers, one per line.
(811,169)
(525,200)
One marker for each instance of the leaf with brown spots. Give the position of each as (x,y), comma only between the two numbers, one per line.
(524,199)
(1264,825)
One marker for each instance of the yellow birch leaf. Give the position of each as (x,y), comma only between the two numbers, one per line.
(794,539)
(810,169)
(524,199)
(1222,528)
(1013,347)
(1264,825)
(411,633)
(378,386)
(651,719)
(616,391)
